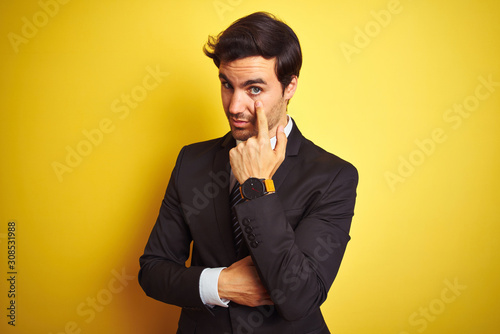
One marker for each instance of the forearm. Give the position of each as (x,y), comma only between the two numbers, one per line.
(170,282)
(298,265)
(282,266)
(163,274)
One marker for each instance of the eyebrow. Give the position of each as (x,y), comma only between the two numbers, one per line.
(246,83)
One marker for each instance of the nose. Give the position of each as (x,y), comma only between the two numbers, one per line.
(237,103)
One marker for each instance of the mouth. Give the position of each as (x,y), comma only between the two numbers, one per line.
(239,123)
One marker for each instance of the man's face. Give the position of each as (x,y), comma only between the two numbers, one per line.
(245,81)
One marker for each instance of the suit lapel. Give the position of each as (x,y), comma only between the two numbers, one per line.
(222,170)
(292,150)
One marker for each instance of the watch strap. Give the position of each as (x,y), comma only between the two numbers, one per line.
(269,184)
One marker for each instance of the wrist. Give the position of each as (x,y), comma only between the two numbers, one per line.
(209,287)
(254,188)
(221,283)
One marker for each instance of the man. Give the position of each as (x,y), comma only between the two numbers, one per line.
(268,211)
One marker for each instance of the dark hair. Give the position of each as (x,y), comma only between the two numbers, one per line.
(258,34)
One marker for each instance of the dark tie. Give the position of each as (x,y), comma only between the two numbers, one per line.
(236,198)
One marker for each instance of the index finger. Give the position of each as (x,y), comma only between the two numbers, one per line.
(262,127)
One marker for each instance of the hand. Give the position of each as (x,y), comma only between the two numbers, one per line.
(255,157)
(241,284)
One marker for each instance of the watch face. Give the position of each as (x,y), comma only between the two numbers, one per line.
(252,188)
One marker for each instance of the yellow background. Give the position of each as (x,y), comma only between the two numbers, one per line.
(410,240)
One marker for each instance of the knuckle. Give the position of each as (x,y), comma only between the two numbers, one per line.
(240,147)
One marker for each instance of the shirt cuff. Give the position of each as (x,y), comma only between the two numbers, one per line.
(209,291)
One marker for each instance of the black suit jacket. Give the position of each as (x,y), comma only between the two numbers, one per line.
(296,237)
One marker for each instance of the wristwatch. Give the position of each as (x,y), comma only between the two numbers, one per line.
(254,188)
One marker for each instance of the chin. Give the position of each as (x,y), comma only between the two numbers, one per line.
(242,135)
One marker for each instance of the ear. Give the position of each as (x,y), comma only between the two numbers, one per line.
(291,88)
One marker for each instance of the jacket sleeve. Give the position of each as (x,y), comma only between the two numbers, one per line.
(163,274)
(298,265)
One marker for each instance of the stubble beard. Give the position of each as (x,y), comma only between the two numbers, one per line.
(273,119)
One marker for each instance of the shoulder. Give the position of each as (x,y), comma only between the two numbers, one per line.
(318,154)
(207,145)
(314,159)
(206,148)
(196,162)
(324,162)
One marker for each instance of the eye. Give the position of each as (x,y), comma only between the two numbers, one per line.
(226,85)
(255,90)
